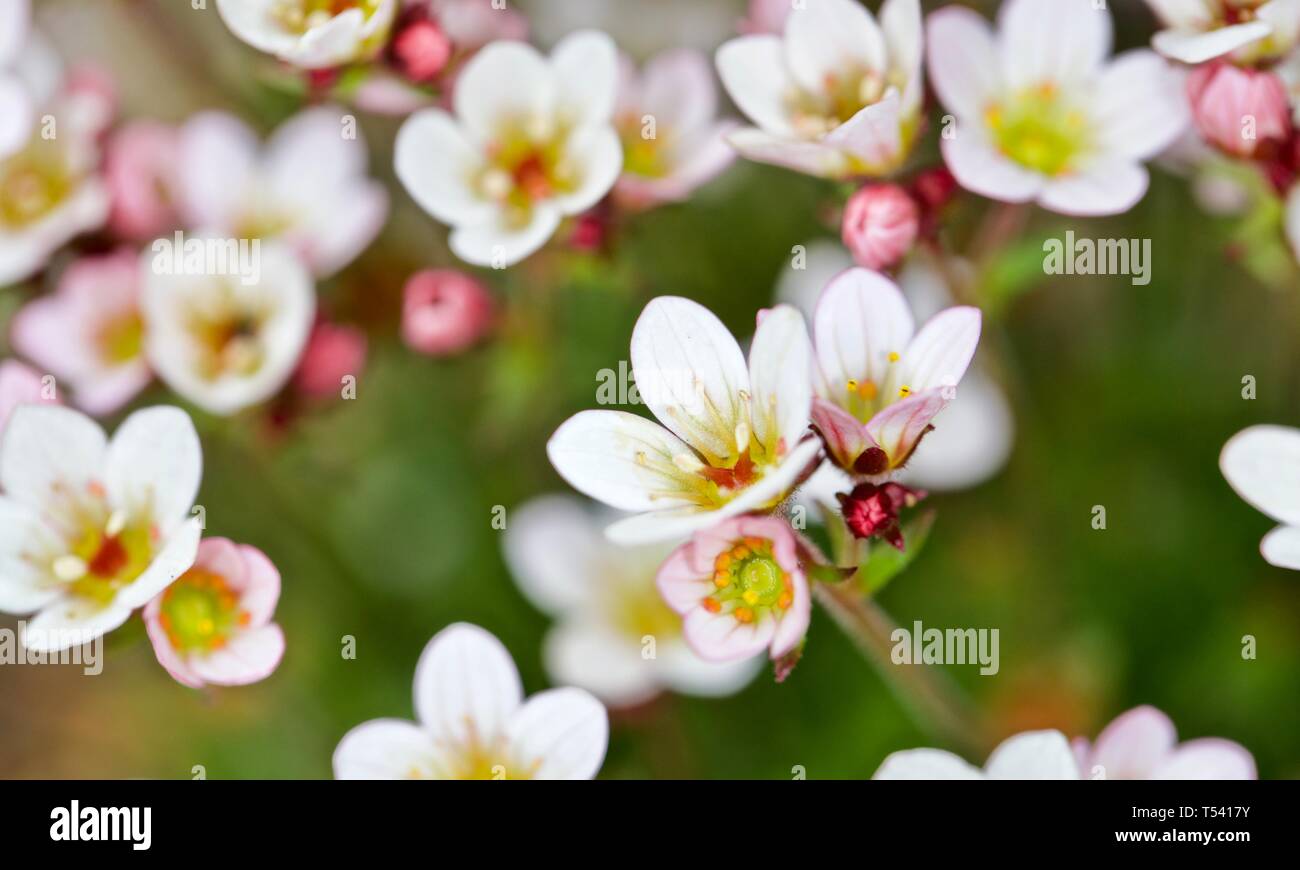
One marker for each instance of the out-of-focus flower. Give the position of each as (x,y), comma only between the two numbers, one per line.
(766,16)
(140,168)
(1143,744)
(515,160)
(1032,755)
(879,385)
(475,724)
(17,112)
(880,225)
(49,193)
(307,188)
(837,95)
(89,332)
(613,635)
(1238,108)
(666,118)
(312,34)
(213,625)
(740,589)
(91,529)
(1042,115)
(444,312)
(871,511)
(333,352)
(1250,30)
(1262,464)
(227,341)
(732,437)
(20,385)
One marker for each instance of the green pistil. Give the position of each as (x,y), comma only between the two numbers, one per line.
(1038,130)
(199,612)
(749,582)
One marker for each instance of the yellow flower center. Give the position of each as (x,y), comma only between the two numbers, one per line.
(299,16)
(199,612)
(1039,130)
(33,183)
(748,582)
(527,164)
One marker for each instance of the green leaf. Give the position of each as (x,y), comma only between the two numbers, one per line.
(883,563)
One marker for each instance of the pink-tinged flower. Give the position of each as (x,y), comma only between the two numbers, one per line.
(91,529)
(1032,755)
(836,95)
(1262,464)
(333,352)
(732,436)
(871,511)
(1042,115)
(20,385)
(213,625)
(766,16)
(90,332)
(739,588)
(613,634)
(1237,108)
(444,312)
(513,162)
(880,225)
(140,168)
(667,120)
(308,187)
(1143,744)
(312,34)
(880,385)
(226,341)
(1249,30)
(475,724)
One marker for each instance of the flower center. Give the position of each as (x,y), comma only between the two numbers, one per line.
(866,397)
(227,338)
(32,184)
(121,339)
(106,557)
(748,582)
(200,611)
(1038,129)
(299,16)
(526,164)
(648,157)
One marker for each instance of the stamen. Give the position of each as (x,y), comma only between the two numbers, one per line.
(904,391)
(894,356)
(116,523)
(68,568)
(497,183)
(742,437)
(688,462)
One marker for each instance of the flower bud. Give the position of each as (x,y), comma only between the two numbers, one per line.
(880,225)
(444,312)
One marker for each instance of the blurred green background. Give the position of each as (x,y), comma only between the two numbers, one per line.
(378,511)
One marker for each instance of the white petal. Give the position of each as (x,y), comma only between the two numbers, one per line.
(383,749)
(691,374)
(15,20)
(685,672)
(208,198)
(499,243)
(1192,47)
(620,459)
(904,38)
(1262,464)
(560,734)
(1062,41)
(971,441)
(677,87)
(1208,758)
(941,352)
(981,168)
(1281,547)
(593,656)
(873,136)
(599,153)
(963,60)
(823,261)
(23,587)
(506,81)
(155,464)
(780,374)
(926,764)
(553,546)
(810,158)
(16,115)
(832,38)
(1033,755)
(1134,745)
(861,318)
(466,685)
(436,163)
(586,77)
(752,69)
(71,621)
(309,152)
(48,446)
(1111,185)
(1140,105)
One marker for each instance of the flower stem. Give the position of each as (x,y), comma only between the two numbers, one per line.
(932,700)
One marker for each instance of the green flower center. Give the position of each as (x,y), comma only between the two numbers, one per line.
(748,582)
(1039,130)
(199,612)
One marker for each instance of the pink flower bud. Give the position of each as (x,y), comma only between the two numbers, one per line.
(872,511)
(444,312)
(1236,109)
(880,225)
(139,169)
(332,353)
(421,50)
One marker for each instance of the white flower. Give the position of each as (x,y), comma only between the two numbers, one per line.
(91,529)
(1250,30)
(312,34)
(1042,115)
(613,636)
(1032,755)
(16,110)
(227,341)
(836,95)
(732,437)
(475,724)
(1262,464)
(308,187)
(531,142)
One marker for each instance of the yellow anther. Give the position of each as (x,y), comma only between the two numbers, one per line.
(743,614)
(904,391)
(69,568)
(750,596)
(893,356)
